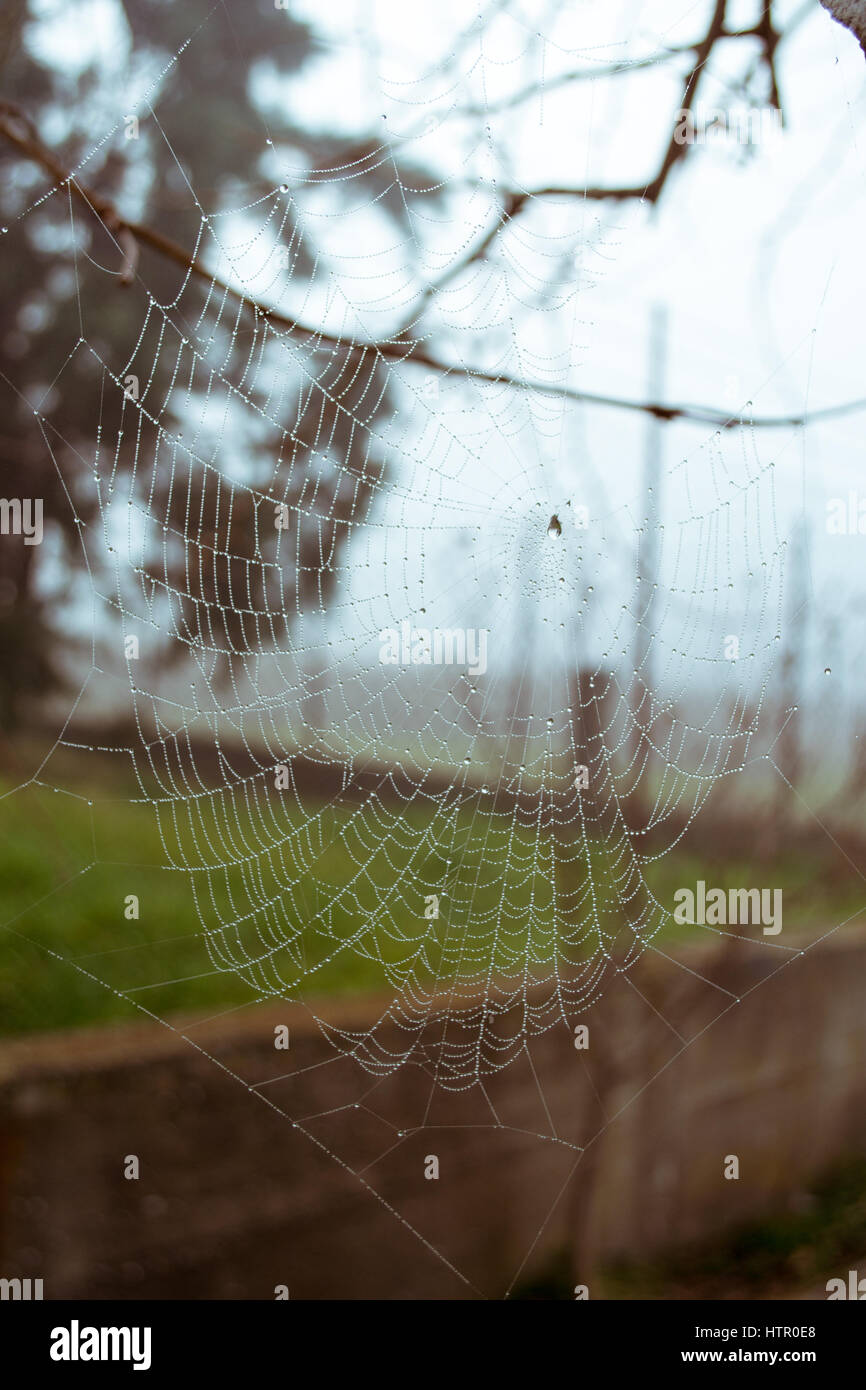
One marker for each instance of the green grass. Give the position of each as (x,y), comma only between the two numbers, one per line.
(69,858)
(820,890)
(69,956)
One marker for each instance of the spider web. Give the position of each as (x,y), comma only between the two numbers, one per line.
(473,839)
(485,881)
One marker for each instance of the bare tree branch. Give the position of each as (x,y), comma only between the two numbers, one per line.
(761,30)
(652,191)
(16,128)
(769,37)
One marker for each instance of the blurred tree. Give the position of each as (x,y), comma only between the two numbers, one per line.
(53,296)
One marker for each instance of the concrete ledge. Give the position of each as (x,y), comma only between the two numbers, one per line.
(233,1199)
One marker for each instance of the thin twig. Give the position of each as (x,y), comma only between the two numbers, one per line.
(18,130)
(763,30)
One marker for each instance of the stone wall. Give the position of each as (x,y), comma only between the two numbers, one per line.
(233,1199)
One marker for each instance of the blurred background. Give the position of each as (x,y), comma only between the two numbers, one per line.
(324,332)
